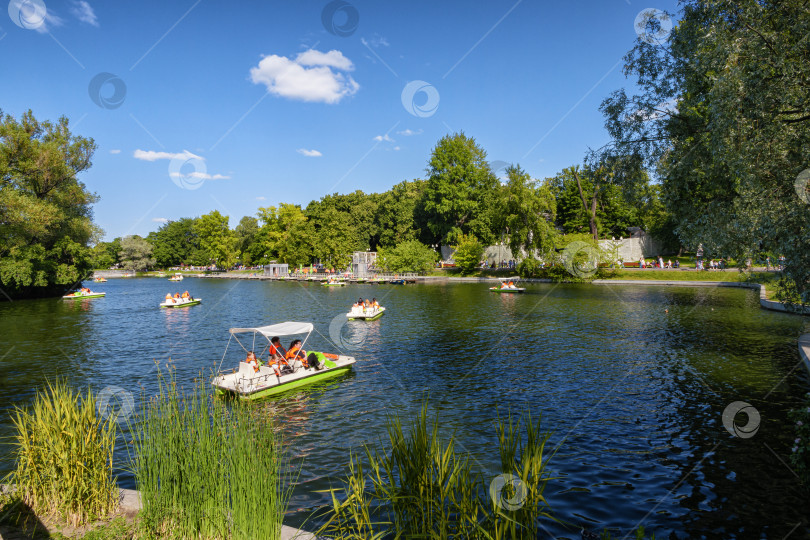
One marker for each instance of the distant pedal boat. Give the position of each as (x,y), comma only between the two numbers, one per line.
(180,302)
(507,289)
(365,315)
(79,294)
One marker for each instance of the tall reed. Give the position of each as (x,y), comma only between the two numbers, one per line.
(63,452)
(421,487)
(206,469)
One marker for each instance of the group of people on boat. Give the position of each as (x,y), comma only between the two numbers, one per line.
(81,292)
(364,305)
(185,297)
(284,361)
(509,285)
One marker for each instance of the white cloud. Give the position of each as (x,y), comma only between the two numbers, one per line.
(309,153)
(150,155)
(376,41)
(310,77)
(260,198)
(409,132)
(199,176)
(397,148)
(160,220)
(332,58)
(84,12)
(383,138)
(115,151)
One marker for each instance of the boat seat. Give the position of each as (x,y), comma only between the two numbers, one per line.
(266,370)
(246,369)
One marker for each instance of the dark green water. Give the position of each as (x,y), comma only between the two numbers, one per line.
(634,394)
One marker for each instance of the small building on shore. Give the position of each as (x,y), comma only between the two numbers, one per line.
(362,261)
(276,270)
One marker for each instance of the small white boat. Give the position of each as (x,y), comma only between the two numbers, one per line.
(248,382)
(176,277)
(365,314)
(180,302)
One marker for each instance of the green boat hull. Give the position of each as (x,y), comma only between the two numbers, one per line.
(374,318)
(275,390)
(186,304)
(493,289)
(99,295)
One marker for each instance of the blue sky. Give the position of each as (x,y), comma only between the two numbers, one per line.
(202,105)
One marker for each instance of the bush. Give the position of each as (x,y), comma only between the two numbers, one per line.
(63,456)
(408,256)
(468,253)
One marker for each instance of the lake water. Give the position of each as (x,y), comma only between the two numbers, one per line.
(634,393)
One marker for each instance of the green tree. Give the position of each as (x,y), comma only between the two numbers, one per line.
(724,115)
(407,256)
(395,217)
(461,195)
(528,213)
(216,239)
(46,222)
(246,233)
(106,254)
(175,243)
(136,254)
(285,235)
(468,253)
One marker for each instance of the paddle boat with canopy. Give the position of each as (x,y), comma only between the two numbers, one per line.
(507,287)
(100,280)
(177,277)
(248,382)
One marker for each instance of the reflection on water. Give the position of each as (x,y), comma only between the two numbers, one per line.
(633,382)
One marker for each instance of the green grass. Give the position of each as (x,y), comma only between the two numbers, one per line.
(419,486)
(674,274)
(207,469)
(63,452)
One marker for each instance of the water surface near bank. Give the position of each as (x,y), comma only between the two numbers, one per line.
(633,380)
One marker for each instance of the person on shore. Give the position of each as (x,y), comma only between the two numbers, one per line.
(677,264)
(641,263)
(669,263)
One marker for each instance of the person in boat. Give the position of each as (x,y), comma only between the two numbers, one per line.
(251,360)
(374,303)
(511,285)
(295,352)
(168,296)
(276,351)
(185,295)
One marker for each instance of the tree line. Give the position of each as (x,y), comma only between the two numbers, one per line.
(461,201)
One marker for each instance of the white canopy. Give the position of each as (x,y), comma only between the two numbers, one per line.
(288,328)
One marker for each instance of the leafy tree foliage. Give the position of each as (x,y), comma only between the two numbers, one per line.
(461,196)
(176,243)
(285,235)
(216,239)
(468,253)
(45,211)
(106,254)
(528,213)
(395,217)
(407,256)
(724,115)
(246,233)
(136,254)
